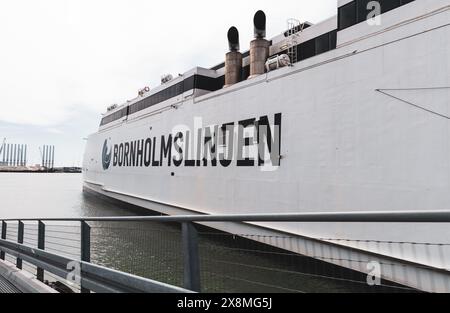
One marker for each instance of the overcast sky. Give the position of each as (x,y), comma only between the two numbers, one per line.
(62,62)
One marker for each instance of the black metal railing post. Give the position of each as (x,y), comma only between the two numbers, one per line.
(20,241)
(191,257)
(41,245)
(4,227)
(85,248)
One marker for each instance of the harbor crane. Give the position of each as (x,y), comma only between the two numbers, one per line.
(2,149)
(3,145)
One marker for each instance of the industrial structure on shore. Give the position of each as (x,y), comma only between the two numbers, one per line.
(13,155)
(48,156)
(14,158)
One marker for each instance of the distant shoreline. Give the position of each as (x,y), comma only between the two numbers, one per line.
(58,170)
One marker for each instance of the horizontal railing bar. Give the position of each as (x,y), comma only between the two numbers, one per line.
(57,270)
(359,217)
(95,277)
(62,238)
(139,284)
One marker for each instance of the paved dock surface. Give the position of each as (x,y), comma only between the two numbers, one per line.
(7,287)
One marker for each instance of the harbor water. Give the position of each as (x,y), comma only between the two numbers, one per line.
(228,263)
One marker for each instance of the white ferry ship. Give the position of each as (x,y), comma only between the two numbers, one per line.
(350,114)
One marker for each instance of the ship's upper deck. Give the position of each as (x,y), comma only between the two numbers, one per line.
(196,82)
(313,40)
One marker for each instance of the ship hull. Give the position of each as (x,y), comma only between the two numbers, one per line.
(364,127)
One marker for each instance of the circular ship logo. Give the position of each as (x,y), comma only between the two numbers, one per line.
(106,157)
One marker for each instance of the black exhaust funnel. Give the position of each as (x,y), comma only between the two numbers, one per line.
(233,59)
(233,39)
(259,21)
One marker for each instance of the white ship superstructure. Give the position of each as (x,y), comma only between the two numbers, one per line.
(358,121)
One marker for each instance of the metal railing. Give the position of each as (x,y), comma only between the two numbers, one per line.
(51,244)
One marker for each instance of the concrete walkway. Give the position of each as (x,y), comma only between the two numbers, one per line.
(7,287)
(13,280)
